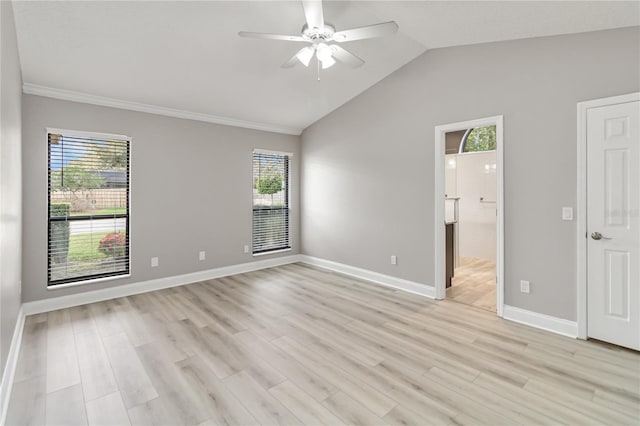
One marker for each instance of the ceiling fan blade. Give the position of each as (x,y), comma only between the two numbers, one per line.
(270,36)
(371,31)
(313,13)
(291,62)
(346,57)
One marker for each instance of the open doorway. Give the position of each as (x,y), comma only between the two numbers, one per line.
(469,213)
(470,216)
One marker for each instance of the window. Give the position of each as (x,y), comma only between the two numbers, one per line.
(479,139)
(88,207)
(270,201)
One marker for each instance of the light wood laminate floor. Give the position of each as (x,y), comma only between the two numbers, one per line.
(474,283)
(299,345)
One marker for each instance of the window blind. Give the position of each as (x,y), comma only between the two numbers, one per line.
(88,208)
(270,202)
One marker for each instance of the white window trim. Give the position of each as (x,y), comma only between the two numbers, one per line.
(93,281)
(273,152)
(268,151)
(266,253)
(88,135)
(96,135)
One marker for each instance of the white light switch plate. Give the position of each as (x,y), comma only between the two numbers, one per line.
(202,255)
(567,213)
(154,262)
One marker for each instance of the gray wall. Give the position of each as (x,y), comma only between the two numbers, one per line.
(10,181)
(190,190)
(367,172)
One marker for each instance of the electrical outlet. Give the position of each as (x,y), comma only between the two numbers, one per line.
(246,248)
(154,262)
(394,260)
(524,286)
(202,255)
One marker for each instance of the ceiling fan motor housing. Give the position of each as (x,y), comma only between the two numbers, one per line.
(318,35)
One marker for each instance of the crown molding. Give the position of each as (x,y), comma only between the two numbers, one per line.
(69,95)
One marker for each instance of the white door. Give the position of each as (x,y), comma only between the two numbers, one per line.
(613,224)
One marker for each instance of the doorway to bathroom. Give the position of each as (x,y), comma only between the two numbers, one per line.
(469,213)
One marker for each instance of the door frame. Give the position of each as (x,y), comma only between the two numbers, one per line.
(439,158)
(581,213)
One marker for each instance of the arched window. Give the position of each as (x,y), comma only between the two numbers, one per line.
(479,139)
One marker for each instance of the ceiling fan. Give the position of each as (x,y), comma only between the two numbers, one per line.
(319,35)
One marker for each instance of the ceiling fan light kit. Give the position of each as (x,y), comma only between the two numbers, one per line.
(320,34)
(305,54)
(324,55)
(329,62)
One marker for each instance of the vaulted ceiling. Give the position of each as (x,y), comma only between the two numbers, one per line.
(187,56)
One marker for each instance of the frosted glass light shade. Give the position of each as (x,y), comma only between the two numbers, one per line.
(323,52)
(329,62)
(305,55)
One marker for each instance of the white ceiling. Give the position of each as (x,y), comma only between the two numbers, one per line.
(187,55)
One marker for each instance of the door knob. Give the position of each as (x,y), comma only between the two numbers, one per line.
(598,236)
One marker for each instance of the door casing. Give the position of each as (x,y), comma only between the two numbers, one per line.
(581,213)
(439,267)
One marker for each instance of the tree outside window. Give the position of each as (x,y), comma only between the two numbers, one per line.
(479,139)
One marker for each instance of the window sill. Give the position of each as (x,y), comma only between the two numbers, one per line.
(271,252)
(94,281)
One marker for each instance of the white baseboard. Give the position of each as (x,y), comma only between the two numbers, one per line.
(375,277)
(10,367)
(62,302)
(541,321)
(55,303)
